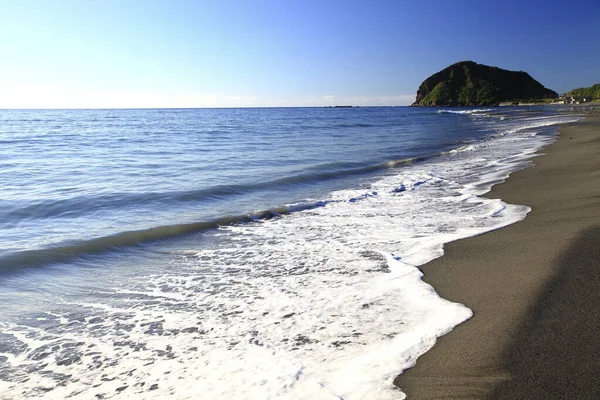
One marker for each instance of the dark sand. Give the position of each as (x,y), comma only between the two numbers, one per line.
(534,288)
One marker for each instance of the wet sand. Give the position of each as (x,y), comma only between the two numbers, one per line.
(534,288)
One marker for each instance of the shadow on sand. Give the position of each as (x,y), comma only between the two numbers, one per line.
(557,352)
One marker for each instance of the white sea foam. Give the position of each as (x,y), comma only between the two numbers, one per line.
(470,111)
(325,303)
(525,125)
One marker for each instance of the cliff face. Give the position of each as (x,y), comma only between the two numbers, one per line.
(467,83)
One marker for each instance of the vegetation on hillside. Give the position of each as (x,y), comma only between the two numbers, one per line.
(592,92)
(467,83)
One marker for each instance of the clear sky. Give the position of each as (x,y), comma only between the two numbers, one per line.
(175,53)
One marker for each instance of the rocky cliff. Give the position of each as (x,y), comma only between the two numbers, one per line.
(467,83)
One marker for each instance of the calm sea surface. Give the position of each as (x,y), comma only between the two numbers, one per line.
(239,253)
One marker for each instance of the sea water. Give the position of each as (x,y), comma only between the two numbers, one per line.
(239,253)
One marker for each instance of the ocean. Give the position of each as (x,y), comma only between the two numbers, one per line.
(240,253)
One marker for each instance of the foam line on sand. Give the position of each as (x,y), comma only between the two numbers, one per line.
(534,288)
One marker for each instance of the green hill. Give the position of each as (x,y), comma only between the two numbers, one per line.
(592,92)
(467,83)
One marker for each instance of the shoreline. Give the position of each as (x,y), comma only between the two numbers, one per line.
(533,331)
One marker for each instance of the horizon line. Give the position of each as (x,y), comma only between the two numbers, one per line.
(188,108)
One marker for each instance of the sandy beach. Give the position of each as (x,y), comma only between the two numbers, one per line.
(534,288)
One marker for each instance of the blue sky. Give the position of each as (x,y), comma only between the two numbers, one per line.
(72,54)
